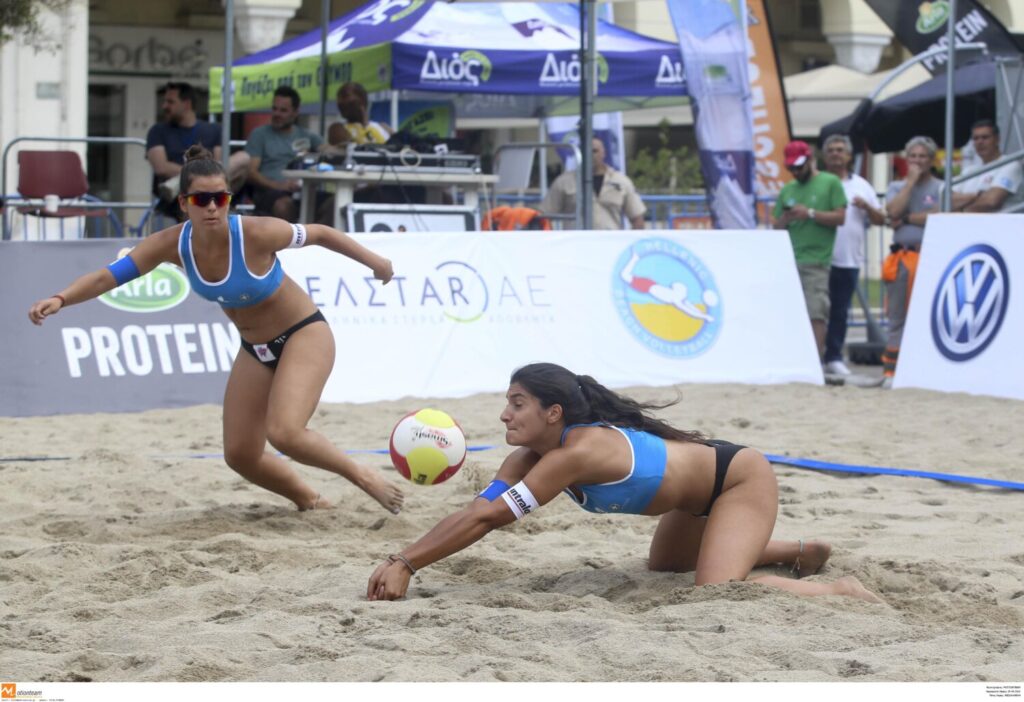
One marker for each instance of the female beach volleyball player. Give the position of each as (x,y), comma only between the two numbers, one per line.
(288,349)
(717,500)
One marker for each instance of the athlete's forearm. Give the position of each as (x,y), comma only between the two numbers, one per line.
(88,286)
(454,533)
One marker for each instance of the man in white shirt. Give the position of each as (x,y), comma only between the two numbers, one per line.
(998,190)
(863,209)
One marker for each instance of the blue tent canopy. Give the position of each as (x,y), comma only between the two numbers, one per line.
(526,53)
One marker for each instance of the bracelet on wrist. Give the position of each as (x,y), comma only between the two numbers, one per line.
(60,297)
(397,557)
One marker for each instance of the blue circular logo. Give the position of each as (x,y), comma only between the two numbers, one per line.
(667,298)
(970,303)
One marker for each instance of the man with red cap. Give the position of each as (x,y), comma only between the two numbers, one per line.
(811,207)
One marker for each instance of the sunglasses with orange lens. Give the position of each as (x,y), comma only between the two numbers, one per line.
(220,199)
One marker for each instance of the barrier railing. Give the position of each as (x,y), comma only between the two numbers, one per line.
(15,201)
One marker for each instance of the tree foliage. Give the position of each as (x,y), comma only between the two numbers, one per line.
(20,18)
(665,170)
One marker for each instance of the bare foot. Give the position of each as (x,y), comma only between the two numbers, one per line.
(378,487)
(814,555)
(318,503)
(849,586)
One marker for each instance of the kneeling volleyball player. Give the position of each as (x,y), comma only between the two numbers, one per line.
(717,501)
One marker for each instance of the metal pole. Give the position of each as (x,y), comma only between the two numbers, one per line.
(588,40)
(542,166)
(947,195)
(325,21)
(225,90)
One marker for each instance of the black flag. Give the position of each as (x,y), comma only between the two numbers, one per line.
(921,25)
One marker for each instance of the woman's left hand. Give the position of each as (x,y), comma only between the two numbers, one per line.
(389,582)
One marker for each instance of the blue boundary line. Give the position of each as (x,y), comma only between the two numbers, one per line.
(774,458)
(874,470)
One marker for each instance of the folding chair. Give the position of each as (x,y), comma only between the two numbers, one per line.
(60,173)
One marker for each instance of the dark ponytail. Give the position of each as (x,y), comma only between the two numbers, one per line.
(584,400)
(199,162)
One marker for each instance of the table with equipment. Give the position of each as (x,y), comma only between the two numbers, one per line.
(377,166)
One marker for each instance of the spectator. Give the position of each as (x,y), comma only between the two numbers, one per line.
(811,207)
(167,142)
(862,209)
(614,195)
(998,190)
(354,108)
(908,203)
(272,148)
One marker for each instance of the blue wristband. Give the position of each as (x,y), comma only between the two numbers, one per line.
(124,270)
(494,490)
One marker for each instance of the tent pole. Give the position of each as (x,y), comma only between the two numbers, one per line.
(394,109)
(325,21)
(588,40)
(947,195)
(225,90)
(542,157)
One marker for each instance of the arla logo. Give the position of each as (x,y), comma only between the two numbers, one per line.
(970,303)
(469,68)
(559,72)
(670,73)
(931,16)
(667,298)
(161,289)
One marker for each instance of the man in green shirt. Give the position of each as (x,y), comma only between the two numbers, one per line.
(811,207)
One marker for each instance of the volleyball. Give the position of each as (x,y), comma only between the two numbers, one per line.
(427,446)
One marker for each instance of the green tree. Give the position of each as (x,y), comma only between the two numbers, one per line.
(665,170)
(20,18)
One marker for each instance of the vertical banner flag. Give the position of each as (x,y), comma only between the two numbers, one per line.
(920,26)
(713,43)
(768,102)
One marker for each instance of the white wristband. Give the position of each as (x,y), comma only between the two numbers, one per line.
(298,237)
(520,500)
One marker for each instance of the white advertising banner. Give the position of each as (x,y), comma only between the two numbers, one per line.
(964,329)
(629,308)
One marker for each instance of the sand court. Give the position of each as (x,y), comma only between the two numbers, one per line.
(140,556)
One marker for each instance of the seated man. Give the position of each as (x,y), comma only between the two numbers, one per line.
(271,148)
(998,190)
(614,195)
(354,108)
(167,142)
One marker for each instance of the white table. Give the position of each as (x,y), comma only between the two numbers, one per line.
(345,182)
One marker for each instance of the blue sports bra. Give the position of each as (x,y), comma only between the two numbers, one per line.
(631,494)
(239,288)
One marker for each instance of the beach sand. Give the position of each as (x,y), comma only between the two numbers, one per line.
(139,558)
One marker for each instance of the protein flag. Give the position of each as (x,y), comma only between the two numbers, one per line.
(921,25)
(713,42)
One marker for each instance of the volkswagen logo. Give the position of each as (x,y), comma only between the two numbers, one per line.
(970,303)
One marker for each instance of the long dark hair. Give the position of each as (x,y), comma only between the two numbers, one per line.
(584,400)
(199,162)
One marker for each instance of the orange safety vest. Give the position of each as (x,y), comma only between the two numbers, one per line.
(505,218)
(891,267)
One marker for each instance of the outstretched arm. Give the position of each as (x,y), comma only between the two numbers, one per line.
(555,471)
(277,234)
(151,252)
